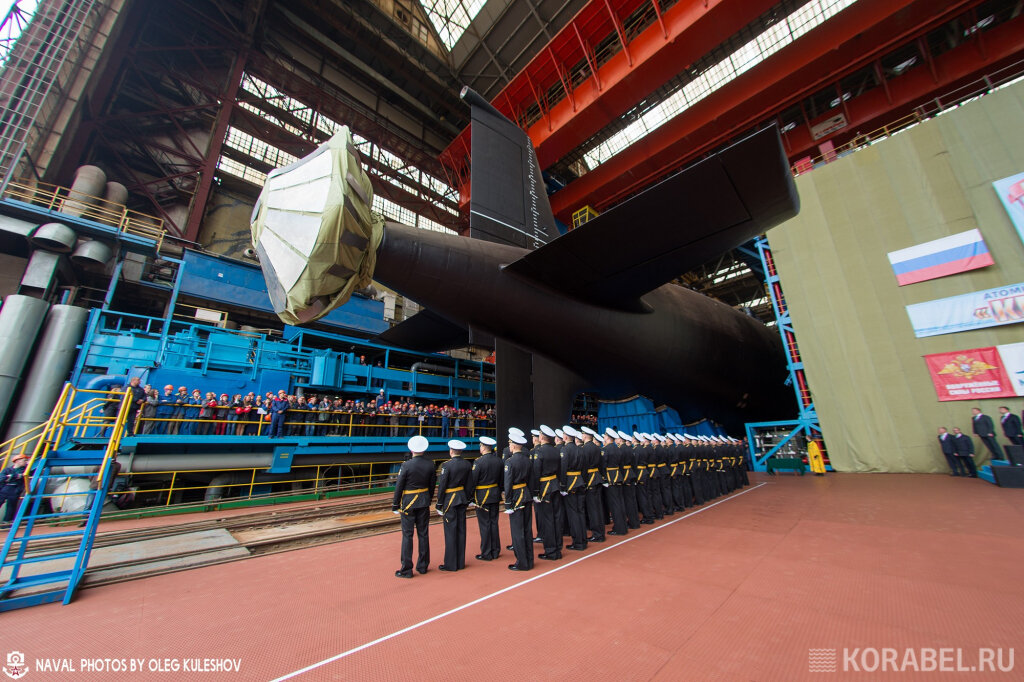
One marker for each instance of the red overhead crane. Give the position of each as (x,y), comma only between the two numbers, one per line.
(590,92)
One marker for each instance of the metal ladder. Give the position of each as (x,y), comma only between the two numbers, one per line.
(37,534)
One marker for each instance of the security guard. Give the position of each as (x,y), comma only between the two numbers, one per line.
(485,491)
(574,489)
(413,492)
(451,505)
(518,504)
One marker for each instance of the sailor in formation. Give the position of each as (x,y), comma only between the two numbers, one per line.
(574,481)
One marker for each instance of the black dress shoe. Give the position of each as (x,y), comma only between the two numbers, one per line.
(442,567)
(615,532)
(538,540)
(594,538)
(514,567)
(423,571)
(549,557)
(578,548)
(481,557)
(509,547)
(400,574)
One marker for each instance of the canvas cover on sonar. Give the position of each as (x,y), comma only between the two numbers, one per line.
(314,233)
(671,228)
(509,202)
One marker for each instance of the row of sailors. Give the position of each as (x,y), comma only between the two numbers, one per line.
(576,482)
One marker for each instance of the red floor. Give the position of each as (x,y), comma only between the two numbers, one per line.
(739,591)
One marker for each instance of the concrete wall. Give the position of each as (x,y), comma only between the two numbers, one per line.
(874,396)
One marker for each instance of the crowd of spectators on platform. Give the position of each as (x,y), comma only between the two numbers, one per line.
(183,412)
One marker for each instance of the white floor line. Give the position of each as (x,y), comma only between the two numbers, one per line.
(558,568)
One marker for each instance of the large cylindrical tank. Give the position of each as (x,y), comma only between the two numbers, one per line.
(20,320)
(90,183)
(116,193)
(55,354)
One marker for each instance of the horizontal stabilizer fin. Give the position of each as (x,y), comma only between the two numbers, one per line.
(675,226)
(427,332)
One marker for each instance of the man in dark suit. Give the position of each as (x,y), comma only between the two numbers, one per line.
(965,451)
(986,431)
(949,452)
(1011,426)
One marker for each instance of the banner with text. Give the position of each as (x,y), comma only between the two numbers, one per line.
(977,310)
(969,374)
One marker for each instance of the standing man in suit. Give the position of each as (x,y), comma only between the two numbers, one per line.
(518,503)
(949,452)
(451,506)
(413,492)
(485,491)
(986,431)
(965,451)
(1011,426)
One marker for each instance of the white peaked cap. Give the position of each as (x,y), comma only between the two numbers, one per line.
(612,433)
(660,437)
(513,431)
(518,438)
(456,445)
(547,430)
(534,432)
(559,433)
(625,436)
(418,444)
(571,432)
(487,440)
(587,429)
(638,436)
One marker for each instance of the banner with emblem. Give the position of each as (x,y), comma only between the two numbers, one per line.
(969,374)
(976,310)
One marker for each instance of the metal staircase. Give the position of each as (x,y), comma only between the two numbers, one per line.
(36,564)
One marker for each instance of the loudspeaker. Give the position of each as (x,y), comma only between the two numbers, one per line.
(1015,454)
(1009,477)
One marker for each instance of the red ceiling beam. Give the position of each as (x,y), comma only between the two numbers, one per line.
(858,34)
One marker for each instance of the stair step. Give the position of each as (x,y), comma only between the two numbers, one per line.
(39,559)
(44,536)
(11,603)
(38,579)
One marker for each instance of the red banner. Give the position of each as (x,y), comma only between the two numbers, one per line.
(969,375)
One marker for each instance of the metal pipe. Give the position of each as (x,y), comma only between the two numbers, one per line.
(20,320)
(55,354)
(90,182)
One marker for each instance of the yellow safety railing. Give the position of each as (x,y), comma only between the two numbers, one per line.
(338,423)
(377,475)
(68,420)
(62,199)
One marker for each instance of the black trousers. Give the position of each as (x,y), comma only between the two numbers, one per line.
(548,510)
(576,511)
(418,519)
(490,541)
(993,446)
(521,524)
(617,508)
(667,502)
(455,537)
(955,465)
(630,504)
(643,501)
(595,512)
(968,463)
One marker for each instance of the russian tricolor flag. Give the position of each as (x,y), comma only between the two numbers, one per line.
(946,256)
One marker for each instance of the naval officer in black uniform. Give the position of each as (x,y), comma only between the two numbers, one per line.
(518,503)
(413,492)
(485,491)
(451,506)
(546,496)
(574,489)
